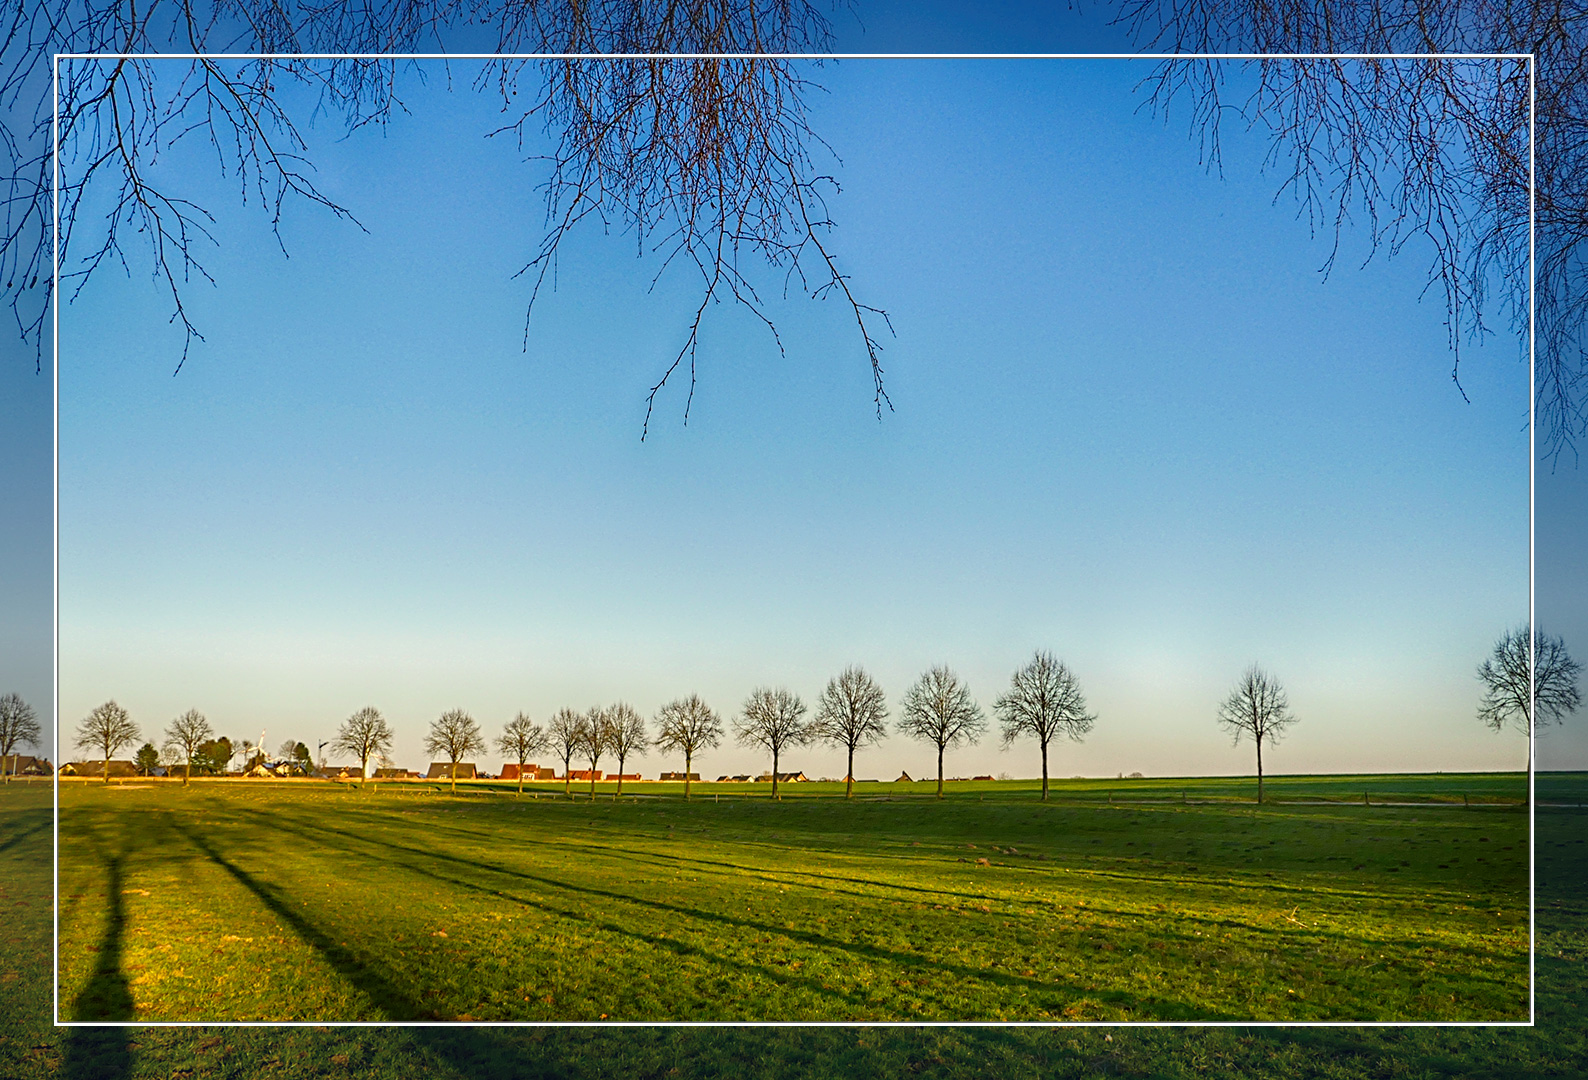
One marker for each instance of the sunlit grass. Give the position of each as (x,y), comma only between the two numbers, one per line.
(234,901)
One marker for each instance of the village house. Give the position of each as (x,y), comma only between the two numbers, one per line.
(531,772)
(97,768)
(24,765)
(693,777)
(443,770)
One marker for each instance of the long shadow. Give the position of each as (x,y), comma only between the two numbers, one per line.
(23,834)
(382,992)
(108,995)
(1317,934)
(1172,1009)
(103,1053)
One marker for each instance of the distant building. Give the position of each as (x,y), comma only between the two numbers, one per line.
(445,770)
(904,778)
(344,772)
(783,778)
(989,777)
(584,774)
(97,768)
(24,765)
(395,774)
(531,772)
(623,776)
(742,778)
(693,777)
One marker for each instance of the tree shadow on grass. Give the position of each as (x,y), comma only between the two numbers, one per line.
(103,1053)
(1154,1007)
(384,994)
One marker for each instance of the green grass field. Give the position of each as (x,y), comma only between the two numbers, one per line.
(30,1049)
(283,901)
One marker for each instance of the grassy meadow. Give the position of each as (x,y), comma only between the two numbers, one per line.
(1123,900)
(31,1049)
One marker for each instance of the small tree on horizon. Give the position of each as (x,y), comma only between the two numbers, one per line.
(566,731)
(146,759)
(771,719)
(521,738)
(687,726)
(107,729)
(626,735)
(594,740)
(852,712)
(939,709)
(1504,677)
(19,726)
(455,734)
(364,735)
(1257,707)
(1044,700)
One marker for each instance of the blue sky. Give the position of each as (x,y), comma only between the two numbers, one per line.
(1132,426)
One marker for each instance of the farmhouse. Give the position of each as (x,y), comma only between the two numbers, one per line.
(24,765)
(584,774)
(531,772)
(97,768)
(743,778)
(904,778)
(344,772)
(623,776)
(693,777)
(444,770)
(396,774)
(783,778)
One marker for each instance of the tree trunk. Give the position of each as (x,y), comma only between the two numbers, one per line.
(107,766)
(520,778)
(849,789)
(567,778)
(1259,771)
(774,776)
(940,771)
(1527,795)
(687,758)
(619,793)
(592,779)
(187,770)
(1044,772)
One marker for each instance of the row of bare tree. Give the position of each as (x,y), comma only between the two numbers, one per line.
(1044,701)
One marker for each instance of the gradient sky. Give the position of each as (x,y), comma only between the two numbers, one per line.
(1132,426)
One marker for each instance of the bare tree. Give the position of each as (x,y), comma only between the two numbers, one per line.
(1435,150)
(852,712)
(626,735)
(1505,679)
(687,726)
(521,738)
(566,732)
(1257,707)
(772,720)
(939,709)
(364,735)
(595,739)
(455,734)
(19,726)
(1044,700)
(107,729)
(187,733)
(704,161)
